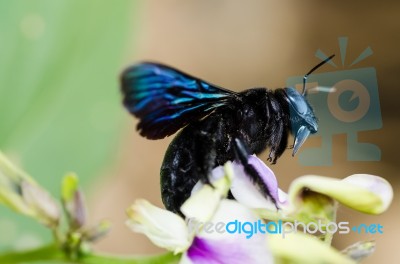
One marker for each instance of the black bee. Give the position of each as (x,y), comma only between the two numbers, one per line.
(218,124)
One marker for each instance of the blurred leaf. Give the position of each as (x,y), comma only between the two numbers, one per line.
(19,192)
(59,97)
(11,179)
(98,231)
(45,207)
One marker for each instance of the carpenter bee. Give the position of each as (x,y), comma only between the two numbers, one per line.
(218,124)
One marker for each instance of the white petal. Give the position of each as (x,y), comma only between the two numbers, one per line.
(229,211)
(282,197)
(377,185)
(204,201)
(202,204)
(362,192)
(165,229)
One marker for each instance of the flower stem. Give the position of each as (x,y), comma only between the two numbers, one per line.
(49,252)
(166,258)
(53,253)
(329,236)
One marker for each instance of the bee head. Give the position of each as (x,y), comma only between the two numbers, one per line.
(302,119)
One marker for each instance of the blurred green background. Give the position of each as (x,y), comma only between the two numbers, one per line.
(59,97)
(60,106)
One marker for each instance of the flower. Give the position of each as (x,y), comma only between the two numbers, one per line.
(309,198)
(164,228)
(73,201)
(22,194)
(224,247)
(206,205)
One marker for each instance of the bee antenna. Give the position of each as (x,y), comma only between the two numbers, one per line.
(312,70)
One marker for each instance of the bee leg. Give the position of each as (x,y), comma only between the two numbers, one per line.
(242,155)
(272,158)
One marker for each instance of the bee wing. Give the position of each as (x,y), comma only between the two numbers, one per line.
(165,99)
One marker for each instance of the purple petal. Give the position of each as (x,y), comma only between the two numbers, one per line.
(244,190)
(266,174)
(220,246)
(207,251)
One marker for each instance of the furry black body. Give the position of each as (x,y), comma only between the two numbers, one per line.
(258,117)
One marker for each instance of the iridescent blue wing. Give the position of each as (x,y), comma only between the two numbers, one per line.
(166,99)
